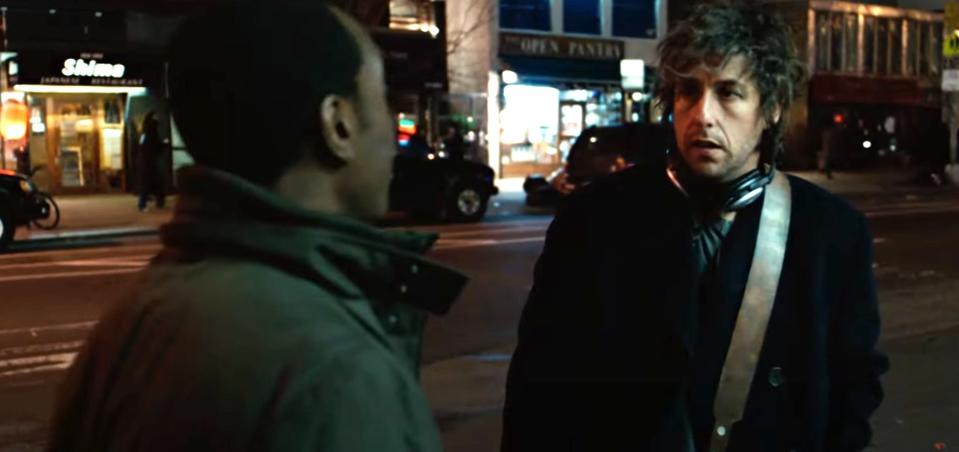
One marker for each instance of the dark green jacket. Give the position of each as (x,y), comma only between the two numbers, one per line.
(261,327)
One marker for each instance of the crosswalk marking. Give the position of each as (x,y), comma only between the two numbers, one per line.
(33,364)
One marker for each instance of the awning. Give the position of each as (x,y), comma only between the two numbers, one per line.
(551,71)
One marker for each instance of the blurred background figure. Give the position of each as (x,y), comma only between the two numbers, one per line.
(453,143)
(149,153)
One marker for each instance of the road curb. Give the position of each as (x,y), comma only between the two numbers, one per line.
(51,238)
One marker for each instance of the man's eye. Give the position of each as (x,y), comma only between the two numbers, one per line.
(730,93)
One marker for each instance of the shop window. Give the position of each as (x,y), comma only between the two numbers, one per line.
(936,44)
(835,42)
(525,14)
(530,120)
(851,34)
(924,49)
(822,41)
(634,18)
(895,47)
(882,46)
(869,45)
(581,16)
(911,42)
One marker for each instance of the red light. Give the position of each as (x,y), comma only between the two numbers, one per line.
(404,139)
(838,118)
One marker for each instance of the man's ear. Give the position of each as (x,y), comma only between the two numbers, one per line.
(338,122)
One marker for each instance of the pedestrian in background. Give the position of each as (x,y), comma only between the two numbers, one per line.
(149,163)
(641,331)
(834,142)
(275,318)
(453,143)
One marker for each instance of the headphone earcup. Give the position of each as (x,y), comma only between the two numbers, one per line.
(742,191)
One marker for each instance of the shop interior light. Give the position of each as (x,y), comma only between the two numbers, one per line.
(73,89)
(510,77)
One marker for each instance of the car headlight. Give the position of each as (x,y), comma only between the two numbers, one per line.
(26,186)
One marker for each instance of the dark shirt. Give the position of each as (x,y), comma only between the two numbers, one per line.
(722,285)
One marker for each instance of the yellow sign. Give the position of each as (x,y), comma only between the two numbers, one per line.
(950,42)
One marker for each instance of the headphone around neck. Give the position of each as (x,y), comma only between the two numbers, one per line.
(730,196)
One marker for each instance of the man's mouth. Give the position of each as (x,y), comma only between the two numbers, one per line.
(705,144)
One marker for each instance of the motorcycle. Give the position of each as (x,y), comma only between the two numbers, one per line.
(21,204)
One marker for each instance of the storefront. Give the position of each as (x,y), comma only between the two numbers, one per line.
(553,87)
(78,103)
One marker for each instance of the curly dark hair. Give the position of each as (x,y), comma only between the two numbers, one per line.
(717,31)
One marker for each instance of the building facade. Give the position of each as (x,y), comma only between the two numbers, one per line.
(535,73)
(875,71)
(87,77)
(89,71)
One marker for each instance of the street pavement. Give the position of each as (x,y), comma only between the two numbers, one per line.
(51,294)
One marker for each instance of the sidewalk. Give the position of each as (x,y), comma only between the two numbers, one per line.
(467,395)
(100,215)
(867,182)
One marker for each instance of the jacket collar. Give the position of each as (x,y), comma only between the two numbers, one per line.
(219,213)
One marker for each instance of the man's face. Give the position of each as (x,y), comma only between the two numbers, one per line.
(718,120)
(376,143)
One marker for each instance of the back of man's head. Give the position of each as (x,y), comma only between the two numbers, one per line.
(247,77)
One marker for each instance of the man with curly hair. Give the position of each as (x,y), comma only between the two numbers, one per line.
(638,297)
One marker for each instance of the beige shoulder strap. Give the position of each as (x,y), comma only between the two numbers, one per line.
(747,341)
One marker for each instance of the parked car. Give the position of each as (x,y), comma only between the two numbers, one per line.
(596,152)
(427,185)
(22,205)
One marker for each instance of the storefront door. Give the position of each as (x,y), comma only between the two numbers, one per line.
(85,142)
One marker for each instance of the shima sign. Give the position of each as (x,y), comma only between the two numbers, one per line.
(560,47)
(84,69)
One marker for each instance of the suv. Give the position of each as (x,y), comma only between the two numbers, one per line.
(599,151)
(427,185)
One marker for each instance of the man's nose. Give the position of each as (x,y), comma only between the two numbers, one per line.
(704,110)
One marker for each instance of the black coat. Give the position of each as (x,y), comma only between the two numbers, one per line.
(605,339)
(149,161)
